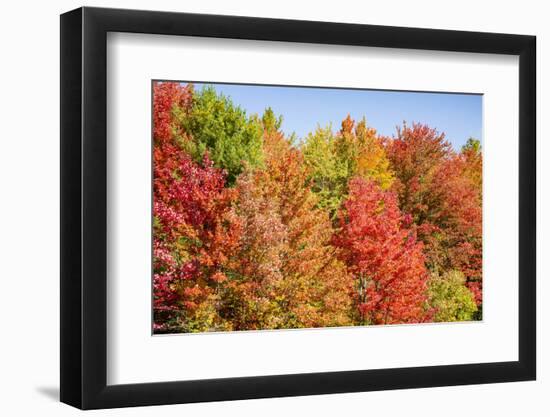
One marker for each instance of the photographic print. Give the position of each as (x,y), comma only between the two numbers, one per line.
(284,207)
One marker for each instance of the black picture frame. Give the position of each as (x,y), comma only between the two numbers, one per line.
(84,207)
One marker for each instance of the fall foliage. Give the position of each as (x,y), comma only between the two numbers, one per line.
(333,159)
(255,230)
(288,276)
(441,190)
(383,255)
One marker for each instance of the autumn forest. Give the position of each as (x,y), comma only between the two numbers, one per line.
(256,229)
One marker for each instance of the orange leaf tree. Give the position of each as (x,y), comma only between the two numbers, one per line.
(288,273)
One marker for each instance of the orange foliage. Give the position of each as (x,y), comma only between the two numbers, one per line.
(289,276)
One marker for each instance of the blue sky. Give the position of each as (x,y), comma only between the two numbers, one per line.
(458,115)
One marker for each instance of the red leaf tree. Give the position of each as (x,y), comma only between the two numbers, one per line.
(383,255)
(441,190)
(194,229)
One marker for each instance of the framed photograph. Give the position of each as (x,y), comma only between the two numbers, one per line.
(259,208)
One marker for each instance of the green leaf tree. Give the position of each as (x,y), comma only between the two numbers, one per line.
(332,159)
(449,297)
(216,126)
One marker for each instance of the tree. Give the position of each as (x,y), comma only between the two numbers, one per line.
(216,126)
(471,153)
(328,175)
(459,222)
(288,274)
(450,298)
(270,122)
(254,231)
(439,189)
(333,159)
(383,256)
(192,226)
(194,235)
(372,162)
(168,98)
(416,153)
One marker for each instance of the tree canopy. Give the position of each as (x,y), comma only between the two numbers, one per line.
(254,229)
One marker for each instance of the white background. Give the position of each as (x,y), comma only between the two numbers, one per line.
(29,175)
(133,355)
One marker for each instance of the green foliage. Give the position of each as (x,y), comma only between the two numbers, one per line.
(328,173)
(216,126)
(334,159)
(472,144)
(271,122)
(450,298)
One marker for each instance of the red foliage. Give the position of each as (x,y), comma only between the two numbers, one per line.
(441,191)
(167,95)
(194,228)
(383,256)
